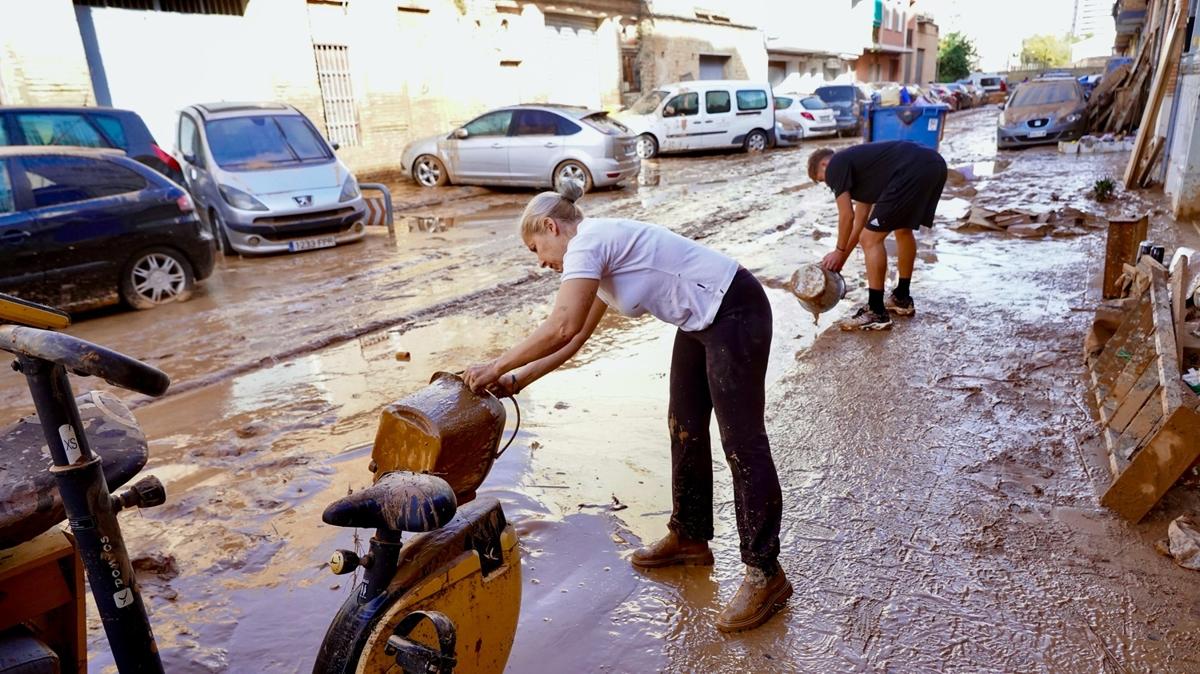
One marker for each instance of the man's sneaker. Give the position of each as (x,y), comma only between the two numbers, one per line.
(900,307)
(865,319)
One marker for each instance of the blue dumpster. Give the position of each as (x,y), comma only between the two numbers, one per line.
(921,124)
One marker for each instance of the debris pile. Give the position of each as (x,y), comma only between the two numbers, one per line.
(1027,224)
(1090,144)
(1116,103)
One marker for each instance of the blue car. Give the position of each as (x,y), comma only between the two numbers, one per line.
(82,228)
(847,101)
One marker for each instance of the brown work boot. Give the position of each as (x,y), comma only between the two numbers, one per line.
(758,598)
(671,550)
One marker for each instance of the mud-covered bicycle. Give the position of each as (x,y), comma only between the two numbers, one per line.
(441,584)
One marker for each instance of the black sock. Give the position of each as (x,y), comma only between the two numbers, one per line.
(901,291)
(875,302)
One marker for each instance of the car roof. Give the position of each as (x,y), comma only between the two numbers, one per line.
(572,111)
(239,109)
(43,150)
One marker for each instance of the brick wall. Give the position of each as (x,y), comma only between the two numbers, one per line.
(671,48)
(41,57)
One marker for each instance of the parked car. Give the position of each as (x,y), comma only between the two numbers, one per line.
(799,116)
(81,228)
(265,179)
(961,95)
(1043,111)
(989,82)
(529,145)
(703,115)
(87,127)
(847,101)
(977,94)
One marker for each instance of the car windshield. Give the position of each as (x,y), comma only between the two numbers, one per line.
(601,122)
(1044,93)
(813,103)
(648,103)
(264,141)
(836,94)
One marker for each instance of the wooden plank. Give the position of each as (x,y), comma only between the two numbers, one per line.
(1117,355)
(1146,128)
(1130,375)
(1141,428)
(1121,247)
(1147,384)
(1135,314)
(1155,468)
(1179,305)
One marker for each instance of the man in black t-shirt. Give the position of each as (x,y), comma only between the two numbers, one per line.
(881,188)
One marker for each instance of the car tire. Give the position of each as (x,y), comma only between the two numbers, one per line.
(573,170)
(157,276)
(647,146)
(429,171)
(756,141)
(220,234)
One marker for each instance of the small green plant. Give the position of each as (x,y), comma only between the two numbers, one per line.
(1103,189)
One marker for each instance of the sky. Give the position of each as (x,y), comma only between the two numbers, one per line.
(997,28)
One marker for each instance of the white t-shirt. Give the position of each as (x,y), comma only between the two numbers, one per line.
(646,268)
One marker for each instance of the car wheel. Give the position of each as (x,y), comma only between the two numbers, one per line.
(573,170)
(429,171)
(756,141)
(157,276)
(220,234)
(647,146)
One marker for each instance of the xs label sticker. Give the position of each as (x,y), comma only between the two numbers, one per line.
(66,433)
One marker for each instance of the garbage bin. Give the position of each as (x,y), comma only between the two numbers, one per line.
(921,124)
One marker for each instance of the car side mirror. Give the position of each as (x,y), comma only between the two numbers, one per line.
(189,159)
(335,146)
(461,133)
(1000,106)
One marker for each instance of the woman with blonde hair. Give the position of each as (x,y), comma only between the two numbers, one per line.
(719,362)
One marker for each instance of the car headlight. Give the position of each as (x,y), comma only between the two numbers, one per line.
(1074,117)
(349,190)
(240,200)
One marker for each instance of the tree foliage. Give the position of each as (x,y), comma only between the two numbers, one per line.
(956,57)
(1046,51)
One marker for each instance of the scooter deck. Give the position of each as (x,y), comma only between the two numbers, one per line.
(29,500)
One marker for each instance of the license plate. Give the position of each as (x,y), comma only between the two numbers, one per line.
(312,244)
(1037,134)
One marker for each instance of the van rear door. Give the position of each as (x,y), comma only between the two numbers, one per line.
(755,110)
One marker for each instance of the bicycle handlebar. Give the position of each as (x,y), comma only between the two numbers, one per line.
(83,357)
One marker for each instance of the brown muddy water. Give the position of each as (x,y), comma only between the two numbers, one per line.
(940,481)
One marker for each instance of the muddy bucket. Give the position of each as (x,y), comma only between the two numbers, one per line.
(818,289)
(444,430)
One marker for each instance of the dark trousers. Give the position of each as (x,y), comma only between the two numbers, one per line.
(724,367)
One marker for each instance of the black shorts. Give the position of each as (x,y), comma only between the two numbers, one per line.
(911,197)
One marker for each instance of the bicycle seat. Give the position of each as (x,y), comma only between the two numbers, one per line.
(398,501)
(29,500)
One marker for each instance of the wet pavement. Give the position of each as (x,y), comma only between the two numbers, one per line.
(940,481)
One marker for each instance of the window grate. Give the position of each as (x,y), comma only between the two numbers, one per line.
(337,94)
(228,7)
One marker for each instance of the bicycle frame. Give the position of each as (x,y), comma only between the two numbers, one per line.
(93,518)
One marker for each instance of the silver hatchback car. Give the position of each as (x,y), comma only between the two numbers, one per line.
(531,145)
(265,180)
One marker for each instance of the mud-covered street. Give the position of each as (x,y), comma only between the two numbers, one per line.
(940,480)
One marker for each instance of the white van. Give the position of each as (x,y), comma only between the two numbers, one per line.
(702,115)
(989,82)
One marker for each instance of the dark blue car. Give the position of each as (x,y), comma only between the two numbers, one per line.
(847,101)
(81,228)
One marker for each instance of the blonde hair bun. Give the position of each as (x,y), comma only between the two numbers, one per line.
(571,190)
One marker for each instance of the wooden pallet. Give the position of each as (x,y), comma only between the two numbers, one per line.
(1150,418)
